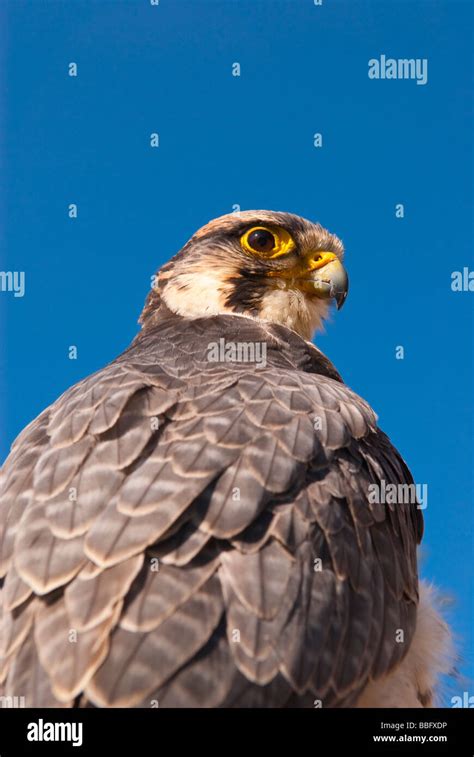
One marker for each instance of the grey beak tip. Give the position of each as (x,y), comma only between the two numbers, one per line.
(340,299)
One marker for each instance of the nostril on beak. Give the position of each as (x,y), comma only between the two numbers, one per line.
(319,259)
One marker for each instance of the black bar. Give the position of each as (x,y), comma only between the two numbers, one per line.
(306,732)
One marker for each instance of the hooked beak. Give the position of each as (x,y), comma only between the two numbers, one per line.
(326,277)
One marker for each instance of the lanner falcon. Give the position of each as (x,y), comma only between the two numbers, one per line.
(191,526)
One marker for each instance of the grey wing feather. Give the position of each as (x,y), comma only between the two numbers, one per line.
(205,532)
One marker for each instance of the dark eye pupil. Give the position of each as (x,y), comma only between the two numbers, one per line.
(262,240)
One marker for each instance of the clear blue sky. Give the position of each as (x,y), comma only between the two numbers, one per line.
(248,140)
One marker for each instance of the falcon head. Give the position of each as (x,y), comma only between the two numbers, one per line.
(270,266)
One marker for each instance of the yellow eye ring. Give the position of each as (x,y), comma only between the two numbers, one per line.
(268,242)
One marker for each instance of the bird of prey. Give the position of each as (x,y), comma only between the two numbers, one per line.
(192,525)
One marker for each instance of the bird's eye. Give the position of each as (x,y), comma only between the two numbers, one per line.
(268,242)
(261,240)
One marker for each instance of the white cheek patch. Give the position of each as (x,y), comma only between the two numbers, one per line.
(195,294)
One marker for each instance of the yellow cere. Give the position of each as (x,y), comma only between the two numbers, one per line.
(319,259)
